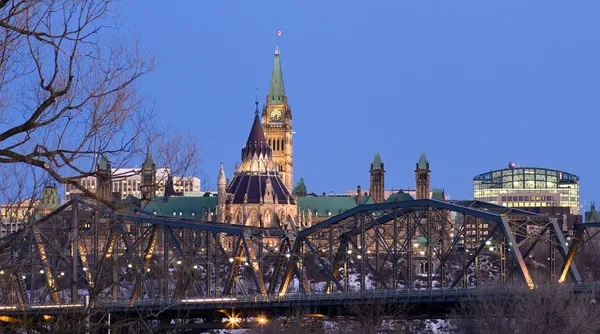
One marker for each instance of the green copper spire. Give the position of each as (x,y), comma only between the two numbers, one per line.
(299,189)
(422,161)
(276,91)
(49,200)
(148,163)
(377,161)
(103,163)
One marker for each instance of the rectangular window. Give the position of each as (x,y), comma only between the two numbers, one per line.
(520,198)
(503,198)
(527,198)
(510,198)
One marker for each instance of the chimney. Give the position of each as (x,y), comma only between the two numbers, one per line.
(358,195)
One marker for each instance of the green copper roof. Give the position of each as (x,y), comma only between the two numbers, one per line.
(592,216)
(399,197)
(49,200)
(148,163)
(189,207)
(330,205)
(438,194)
(103,163)
(276,91)
(422,161)
(299,188)
(377,161)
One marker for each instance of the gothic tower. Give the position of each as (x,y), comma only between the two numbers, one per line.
(423,175)
(376,190)
(148,184)
(221,195)
(277,124)
(103,178)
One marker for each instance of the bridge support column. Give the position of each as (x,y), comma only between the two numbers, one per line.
(408,249)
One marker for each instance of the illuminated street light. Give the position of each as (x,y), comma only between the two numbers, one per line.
(422,252)
(129,265)
(195,267)
(84,269)
(1,272)
(488,242)
(287,255)
(42,271)
(349,251)
(231,259)
(491,249)
(416,244)
(178,262)
(359,257)
(262,320)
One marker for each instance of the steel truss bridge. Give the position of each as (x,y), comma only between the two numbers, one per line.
(85,257)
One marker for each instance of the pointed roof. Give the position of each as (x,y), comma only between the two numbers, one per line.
(299,189)
(592,216)
(222,181)
(49,200)
(103,163)
(148,163)
(376,161)
(276,90)
(422,164)
(257,142)
(170,189)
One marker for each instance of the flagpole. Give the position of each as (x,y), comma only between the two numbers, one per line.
(277,41)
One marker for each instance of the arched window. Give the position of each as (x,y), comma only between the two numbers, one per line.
(283,144)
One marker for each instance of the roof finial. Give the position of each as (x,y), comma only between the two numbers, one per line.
(256,102)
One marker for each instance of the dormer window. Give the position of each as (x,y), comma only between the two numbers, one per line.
(180,213)
(155,213)
(174,213)
(316,213)
(193,213)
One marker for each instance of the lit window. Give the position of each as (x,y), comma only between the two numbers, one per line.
(174,213)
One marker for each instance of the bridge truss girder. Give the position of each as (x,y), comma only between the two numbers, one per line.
(81,249)
(380,246)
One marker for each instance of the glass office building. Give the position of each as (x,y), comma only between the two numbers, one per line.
(524,187)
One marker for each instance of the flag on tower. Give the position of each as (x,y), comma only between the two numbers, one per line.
(278,32)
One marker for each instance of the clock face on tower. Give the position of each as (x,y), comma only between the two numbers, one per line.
(276,115)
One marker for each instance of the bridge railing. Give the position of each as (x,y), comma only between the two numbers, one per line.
(406,296)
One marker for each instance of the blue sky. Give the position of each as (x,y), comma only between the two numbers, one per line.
(473,84)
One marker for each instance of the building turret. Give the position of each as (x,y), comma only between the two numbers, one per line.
(299,189)
(221,195)
(148,184)
(422,175)
(277,124)
(376,189)
(103,178)
(358,195)
(170,188)
(49,201)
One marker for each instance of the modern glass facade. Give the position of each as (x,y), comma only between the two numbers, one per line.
(524,187)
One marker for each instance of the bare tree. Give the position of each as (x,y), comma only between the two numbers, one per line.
(550,309)
(69,92)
